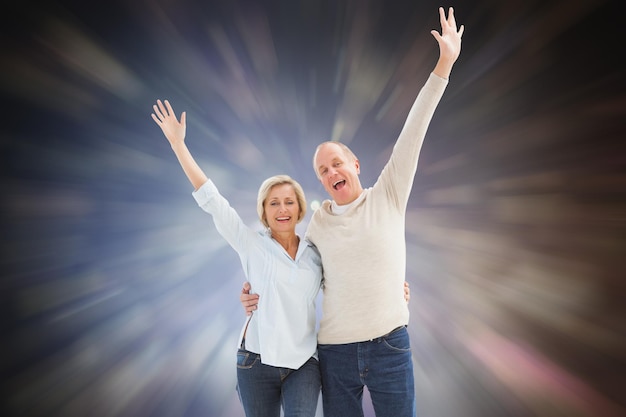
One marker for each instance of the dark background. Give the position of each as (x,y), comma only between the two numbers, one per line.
(119,298)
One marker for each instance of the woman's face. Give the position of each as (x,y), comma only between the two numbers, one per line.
(281,209)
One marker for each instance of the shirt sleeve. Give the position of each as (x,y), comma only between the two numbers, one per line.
(227,221)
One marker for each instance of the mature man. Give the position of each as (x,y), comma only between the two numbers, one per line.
(360,234)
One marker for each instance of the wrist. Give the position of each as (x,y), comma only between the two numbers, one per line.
(444,67)
(178,145)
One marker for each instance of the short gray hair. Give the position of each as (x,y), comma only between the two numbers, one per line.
(346,151)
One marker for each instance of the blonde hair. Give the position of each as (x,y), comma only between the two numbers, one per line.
(346,151)
(267,186)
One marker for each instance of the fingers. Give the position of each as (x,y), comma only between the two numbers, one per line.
(442,17)
(162,108)
(452,22)
(435,35)
(407,292)
(249,301)
(159,110)
(449,22)
(446,22)
(156,119)
(170,112)
(448,28)
(451,19)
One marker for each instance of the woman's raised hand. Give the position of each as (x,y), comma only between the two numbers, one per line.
(165,117)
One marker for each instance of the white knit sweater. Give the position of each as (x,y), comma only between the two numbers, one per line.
(363,250)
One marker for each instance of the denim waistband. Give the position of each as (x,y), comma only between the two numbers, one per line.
(386,335)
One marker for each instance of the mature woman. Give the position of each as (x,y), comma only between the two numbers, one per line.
(277,358)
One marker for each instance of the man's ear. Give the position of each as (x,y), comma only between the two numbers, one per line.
(357,165)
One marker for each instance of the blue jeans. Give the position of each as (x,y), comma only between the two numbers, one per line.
(264,388)
(383,365)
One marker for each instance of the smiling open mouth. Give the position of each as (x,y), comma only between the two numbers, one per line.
(338,185)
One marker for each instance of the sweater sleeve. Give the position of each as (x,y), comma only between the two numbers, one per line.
(399,172)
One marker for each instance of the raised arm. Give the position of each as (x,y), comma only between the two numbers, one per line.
(174,131)
(449,43)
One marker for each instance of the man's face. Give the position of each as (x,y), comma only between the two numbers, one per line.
(338,173)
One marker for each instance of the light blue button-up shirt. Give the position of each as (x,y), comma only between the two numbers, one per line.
(283,328)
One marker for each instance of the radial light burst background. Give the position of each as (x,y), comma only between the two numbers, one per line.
(119,298)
